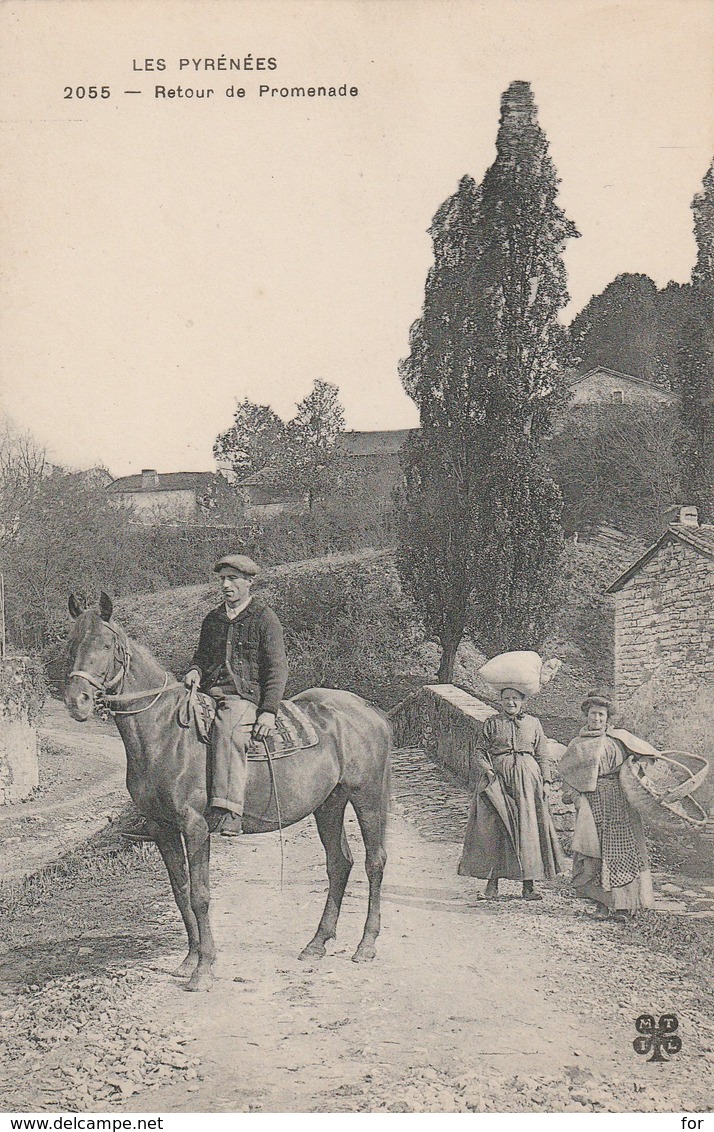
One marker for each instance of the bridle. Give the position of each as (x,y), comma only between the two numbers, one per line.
(104,687)
(101,683)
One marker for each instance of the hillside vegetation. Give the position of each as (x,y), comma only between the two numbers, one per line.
(348,624)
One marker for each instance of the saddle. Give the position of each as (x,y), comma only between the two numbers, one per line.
(293,730)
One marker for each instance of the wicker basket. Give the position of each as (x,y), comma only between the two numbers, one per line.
(659,787)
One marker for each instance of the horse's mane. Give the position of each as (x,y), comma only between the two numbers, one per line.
(139,650)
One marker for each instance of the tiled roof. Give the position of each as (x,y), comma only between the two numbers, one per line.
(576,378)
(387,442)
(168,481)
(700,539)
(257,479)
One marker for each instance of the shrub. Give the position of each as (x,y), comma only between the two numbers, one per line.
(351,628)
(587,616)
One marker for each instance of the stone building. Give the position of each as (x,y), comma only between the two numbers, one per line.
(664,610)
(371,462)
(607,386)
(165,497)
(367,464)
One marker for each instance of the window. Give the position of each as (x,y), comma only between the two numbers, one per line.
(617,396)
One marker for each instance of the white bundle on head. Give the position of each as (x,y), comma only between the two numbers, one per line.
(523,671)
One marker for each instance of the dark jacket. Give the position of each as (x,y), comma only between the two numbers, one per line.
(244,657)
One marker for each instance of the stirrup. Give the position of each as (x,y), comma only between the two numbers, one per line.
(231,825)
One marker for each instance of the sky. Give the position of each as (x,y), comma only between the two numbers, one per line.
(164,257)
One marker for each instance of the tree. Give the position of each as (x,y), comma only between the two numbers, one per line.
(695,378)
(633,328)
(485,370)
(300,455)
(703,209)
(309,461)
(70,536)
(23,466)
(619,329)
(516,588)
(252,441)
(617,464)
(674,305)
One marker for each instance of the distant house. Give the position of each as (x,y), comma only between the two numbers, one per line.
(606,386)
(370,461)
(367,465)
(169,496)
(664,609)
(263,497)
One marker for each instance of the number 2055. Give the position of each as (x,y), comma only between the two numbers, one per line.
(87,92)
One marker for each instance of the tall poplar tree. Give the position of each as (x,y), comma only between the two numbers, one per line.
(479,530)
(695,379)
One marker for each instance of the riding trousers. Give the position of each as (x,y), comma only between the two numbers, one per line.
(230,736)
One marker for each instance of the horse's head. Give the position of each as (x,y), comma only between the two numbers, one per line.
(97,656)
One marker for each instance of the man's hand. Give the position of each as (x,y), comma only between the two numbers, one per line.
(547,791)
(264,725)
(192,678)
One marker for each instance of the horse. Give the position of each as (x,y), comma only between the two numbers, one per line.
(168,774)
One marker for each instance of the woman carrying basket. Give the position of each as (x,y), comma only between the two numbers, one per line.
(510,832)
(610,864)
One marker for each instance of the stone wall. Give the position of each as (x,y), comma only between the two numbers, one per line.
(19,774)
(603,386)
(447,724)
(664,621)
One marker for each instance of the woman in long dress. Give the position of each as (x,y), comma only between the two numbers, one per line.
(510,833)
(610,864)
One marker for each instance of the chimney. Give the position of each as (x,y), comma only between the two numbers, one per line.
(689,516)
(149,479)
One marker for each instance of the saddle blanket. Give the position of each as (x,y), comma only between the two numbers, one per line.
(293,729)
(293,732)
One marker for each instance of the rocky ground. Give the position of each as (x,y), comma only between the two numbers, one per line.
(469,1006)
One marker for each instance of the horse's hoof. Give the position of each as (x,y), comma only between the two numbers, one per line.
(312,951)
(364,953)
(187,968)
(201,980)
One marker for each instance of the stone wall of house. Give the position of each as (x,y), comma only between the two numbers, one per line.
(156,506)
(664,621)
(602,386)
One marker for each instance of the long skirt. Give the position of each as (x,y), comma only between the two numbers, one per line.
(620,878)
(528,849)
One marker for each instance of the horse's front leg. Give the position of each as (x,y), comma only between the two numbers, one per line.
(198,852)
(171,849)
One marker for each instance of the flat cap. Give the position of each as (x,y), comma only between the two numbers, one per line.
(239,562)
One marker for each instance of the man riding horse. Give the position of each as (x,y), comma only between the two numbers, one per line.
(240,655)
(240,662)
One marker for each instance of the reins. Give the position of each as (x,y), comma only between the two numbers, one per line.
(129,697)
(277,808)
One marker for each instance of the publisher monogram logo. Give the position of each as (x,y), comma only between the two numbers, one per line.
(657,1038)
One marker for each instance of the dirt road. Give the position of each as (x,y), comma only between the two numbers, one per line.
(464,996)
(82,781)
(470,1005)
